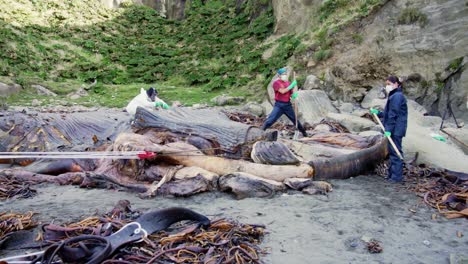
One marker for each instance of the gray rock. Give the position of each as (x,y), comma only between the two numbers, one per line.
(41,90)
(267,106)
(78,94)
(199,106)
(360,112)
(390,48)
(35,102)
(294,15)
(456,91)
(346,108)
(351,122)
(322,128)
(226,100)
(9,89)
(373,94)
(314,105)
(336,103)
(460,134)
(176,104)
(378,104)
(254,108)
(415,109)
(431,121)
(312,82)
(246,185)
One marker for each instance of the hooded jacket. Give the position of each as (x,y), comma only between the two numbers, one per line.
(395,115)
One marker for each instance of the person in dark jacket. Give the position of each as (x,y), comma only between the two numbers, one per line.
(283,95)
(395,121)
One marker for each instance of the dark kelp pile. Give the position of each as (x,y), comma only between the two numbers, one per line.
(11,222)
(444,190)
(223,241)
(10,187)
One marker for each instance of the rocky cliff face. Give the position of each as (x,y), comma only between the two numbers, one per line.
(295,15)
(431,54)
(172,9)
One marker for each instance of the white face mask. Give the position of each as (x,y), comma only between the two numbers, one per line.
(389,88)
(283,77)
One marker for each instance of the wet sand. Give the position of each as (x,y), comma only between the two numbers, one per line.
(303,229)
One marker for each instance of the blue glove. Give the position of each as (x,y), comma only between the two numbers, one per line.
(294,95)
(158,104)
(387,134)
(292,85)
(374,111)
(165,106)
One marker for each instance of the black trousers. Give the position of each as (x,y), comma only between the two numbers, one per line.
(282,108)
(395,172)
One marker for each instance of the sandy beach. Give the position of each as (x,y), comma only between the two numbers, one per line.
(302,228)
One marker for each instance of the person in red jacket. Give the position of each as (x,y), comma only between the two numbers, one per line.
(283,95)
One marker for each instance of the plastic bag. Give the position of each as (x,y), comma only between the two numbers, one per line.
(141,100)
(438,137)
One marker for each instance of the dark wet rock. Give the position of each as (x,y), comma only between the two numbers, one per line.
(245,185)
(186,187)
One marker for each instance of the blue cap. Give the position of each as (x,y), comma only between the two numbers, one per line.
(282,70)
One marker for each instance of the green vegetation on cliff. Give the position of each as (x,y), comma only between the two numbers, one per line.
(61,44)
(218,48)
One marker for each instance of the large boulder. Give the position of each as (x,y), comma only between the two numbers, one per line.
(373,97)
(41,90)
(347,108)
(312,82)
(226,100)
(313,106)
(254,109)
(390,47)
(9,89)
(431,151)
(459,136)
(431,121)
(351,122)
